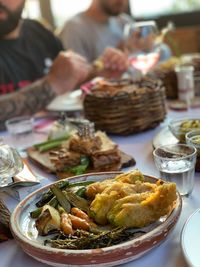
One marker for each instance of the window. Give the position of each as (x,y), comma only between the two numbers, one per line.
(64,9)
(32,9)
(61,9)
(143,8)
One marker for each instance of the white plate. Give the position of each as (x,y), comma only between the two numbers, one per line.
(164,137)
(190,239)
(70,101)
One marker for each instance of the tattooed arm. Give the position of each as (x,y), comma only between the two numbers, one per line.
(27,101)
(68,70)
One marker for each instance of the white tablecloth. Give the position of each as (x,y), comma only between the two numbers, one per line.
(169,253)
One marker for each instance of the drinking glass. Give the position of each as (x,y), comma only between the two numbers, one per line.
(176,163)
(193,138)
(10,163)
(20,125)
(142,34)
(21,132)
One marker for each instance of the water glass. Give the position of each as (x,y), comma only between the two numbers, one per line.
(20,125)
(176,163)
(21,131)
(193,138)
(10,163)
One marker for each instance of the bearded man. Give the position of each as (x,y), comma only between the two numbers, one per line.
(101,25)
(33,67)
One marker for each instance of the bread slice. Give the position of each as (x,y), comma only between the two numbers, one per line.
(107,155)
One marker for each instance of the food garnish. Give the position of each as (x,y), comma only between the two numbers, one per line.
(51,144)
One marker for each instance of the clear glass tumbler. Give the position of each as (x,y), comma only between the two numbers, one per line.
(20,125)
(193,139)
(176,163)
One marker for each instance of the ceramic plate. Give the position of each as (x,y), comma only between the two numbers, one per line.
(68,102)
(164,137)
(190,239)
(25,233)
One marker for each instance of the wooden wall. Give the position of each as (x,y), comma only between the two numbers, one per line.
(184,40)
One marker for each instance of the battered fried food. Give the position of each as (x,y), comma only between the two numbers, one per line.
(129,178)
(128,201)
(139,210)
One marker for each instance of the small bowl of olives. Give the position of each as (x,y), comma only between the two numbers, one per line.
(180,127)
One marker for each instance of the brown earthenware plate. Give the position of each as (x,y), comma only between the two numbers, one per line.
(26,234)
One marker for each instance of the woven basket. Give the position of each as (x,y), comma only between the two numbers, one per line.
(125,107)
(169,79)
(166,72)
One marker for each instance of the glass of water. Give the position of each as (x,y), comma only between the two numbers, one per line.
(10,163)
(20,125)
(176,163)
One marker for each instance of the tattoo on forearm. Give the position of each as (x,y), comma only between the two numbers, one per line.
(26,101)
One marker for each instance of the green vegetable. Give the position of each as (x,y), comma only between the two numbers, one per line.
(36,213)
(84,183)
(81,168)
(81,192)
(50,144)
(63,201)
(77,201)
(46,197)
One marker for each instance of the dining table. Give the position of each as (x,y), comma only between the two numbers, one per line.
(140,146)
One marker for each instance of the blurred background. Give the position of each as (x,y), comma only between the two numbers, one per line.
(184,14)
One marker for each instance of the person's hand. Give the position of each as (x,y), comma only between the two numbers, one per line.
(114,62)
(68,70)
(111,64)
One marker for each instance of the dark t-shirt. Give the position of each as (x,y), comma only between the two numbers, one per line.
(27,58)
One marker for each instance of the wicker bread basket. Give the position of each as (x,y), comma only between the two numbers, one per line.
(169,79)
(125,107)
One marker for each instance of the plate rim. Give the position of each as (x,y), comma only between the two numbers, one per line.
(183,235)
(78,106)
(162,130)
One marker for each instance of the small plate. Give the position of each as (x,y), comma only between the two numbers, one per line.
(190,239)
(69,102)
(164,137)
(24,231)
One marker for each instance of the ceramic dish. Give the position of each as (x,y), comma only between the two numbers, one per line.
(164,137)
(69,102)
(25,233)
(190,241)
(179,127)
